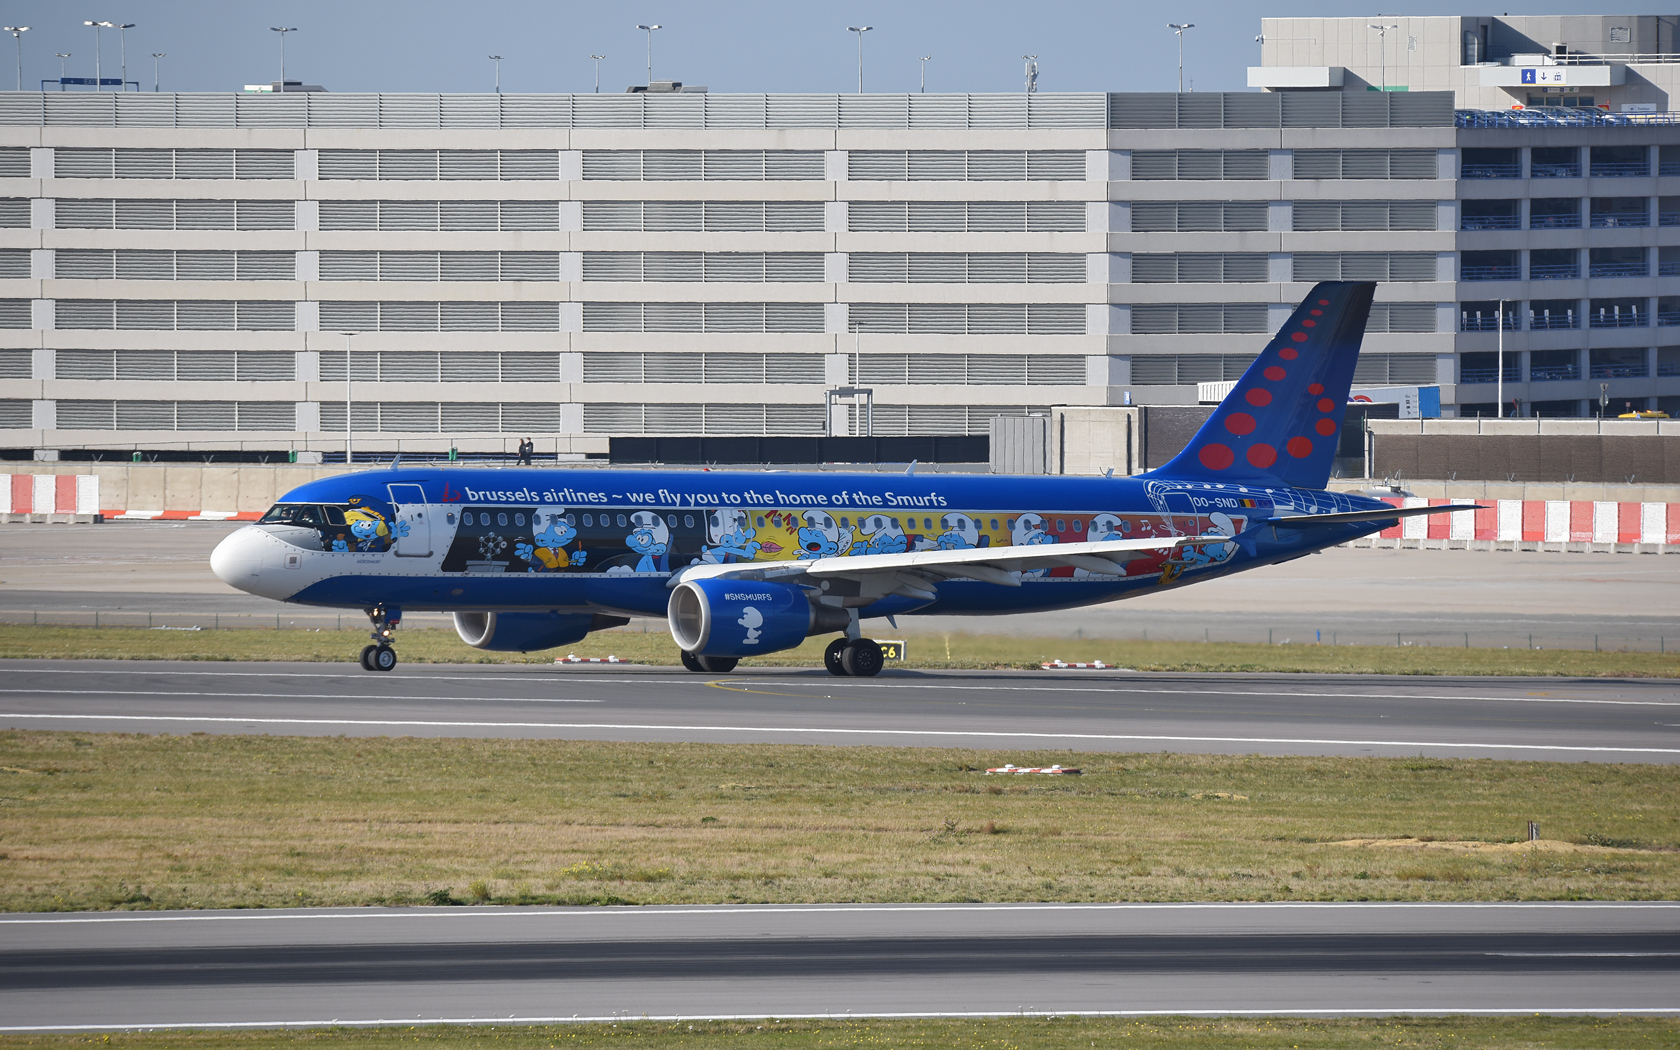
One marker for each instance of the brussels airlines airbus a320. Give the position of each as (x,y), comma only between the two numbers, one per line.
(743,564)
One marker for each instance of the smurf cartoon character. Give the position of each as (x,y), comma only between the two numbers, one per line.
(1108,527)
(1029,531)
(880,534)
(651,538)
(371,529)
(959,532)
(822,537)
(730,537)
(752,620)
(550,532)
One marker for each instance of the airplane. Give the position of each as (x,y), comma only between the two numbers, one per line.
(746,563)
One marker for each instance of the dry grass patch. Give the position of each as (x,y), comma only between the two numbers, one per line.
(1031,1033)
(135,821)
(929,651)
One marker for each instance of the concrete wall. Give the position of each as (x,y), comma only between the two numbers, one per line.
(1526,450)
(153,487)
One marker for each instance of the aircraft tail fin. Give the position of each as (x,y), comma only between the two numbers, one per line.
(1282,422)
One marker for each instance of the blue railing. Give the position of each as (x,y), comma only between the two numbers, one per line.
(1618,221)
(1490,222)
(1668,368)
(1546,321)
(1513,374)
(1492,171)
(1486,323)
(1553,373)
(1666,318)
(1617,371)
(1555,171)
(1620,169)
(1557,116)
(1668,218)
(1638,269)
(1554,272)
(1490,273)
(1557,222)
(1668,269)
(1669,167)
(1619,319)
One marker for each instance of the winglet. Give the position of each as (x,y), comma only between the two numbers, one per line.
(910,471)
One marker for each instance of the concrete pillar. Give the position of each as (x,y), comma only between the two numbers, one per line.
(836,165)
(571,216)
(835,216)
(571,165)
(1281,164)
(835,268)
(1280,216)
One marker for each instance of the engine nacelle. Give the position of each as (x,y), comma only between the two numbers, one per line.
(523,632)
(746,617)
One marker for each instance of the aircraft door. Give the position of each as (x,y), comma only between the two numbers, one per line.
(1183,522)
(410,504)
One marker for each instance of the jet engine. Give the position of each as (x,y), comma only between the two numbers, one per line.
(523,632)
(724,617)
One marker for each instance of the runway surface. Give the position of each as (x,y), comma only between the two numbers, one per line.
(1525,718)
(540,964)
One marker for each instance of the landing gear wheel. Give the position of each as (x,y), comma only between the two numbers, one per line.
(367,657)
(692,662)
(383,658)
(834,658)
(862,658)
(718,664)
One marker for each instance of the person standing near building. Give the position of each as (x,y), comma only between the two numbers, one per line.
(527,448)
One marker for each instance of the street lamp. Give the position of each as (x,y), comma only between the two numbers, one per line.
(924,72)
(597,59)
(649,30)
(122,34)
(17,34)
(283,30)
(498,60)
(97,26)
(1031,73)
(1178,29)
(860,30)
(1382,45)
(61,55)
(155,56)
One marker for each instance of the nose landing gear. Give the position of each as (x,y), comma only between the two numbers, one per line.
(380,656)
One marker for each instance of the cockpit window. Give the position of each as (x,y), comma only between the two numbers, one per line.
(306,514)
(333,515)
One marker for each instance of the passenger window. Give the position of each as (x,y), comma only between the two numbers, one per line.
(501,519)
(588,520)
(1078,526)
(621,522)
(569,519)
(927,523)
(519,519)
(845,524)
(1061,526)
(688,521)
(994,524)
(449,518)
(760,520)
(671,520)
(1010,522)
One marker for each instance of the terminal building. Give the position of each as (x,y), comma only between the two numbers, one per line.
(731,277)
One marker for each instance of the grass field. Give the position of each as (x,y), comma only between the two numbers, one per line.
(925,651)
(1163,1033)
(133,821)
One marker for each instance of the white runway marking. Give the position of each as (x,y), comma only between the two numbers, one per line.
(1046,684)
(805,731)
(361,914)
(300,696)
(1410,1011)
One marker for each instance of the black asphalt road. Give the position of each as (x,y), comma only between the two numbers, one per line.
(530,964)
(1530,718)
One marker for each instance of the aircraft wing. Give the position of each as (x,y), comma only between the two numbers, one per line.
(914,573)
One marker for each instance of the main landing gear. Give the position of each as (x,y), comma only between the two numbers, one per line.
(853,657)
(709,664)
(380,656)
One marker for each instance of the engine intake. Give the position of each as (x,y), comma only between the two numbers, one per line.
(524,632)
(746,617)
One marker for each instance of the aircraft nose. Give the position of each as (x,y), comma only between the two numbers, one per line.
(238,560)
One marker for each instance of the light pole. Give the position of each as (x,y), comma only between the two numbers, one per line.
(649,30)
(1178,29)
(283,30)
(17,34)
(498,60)
(155,56)
(924,61)
(62,55)
(1031,73)
(1382,45)
(860,30)
(97,26)
(122,35)
(597,59)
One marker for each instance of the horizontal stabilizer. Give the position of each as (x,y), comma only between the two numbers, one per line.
(1354,516)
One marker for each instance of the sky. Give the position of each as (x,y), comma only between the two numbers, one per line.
(728,45)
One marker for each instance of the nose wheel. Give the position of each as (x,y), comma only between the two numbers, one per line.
(380,656)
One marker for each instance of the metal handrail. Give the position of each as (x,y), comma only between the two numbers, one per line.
(1618,270)
(1620,169)
(1556,116)
(1639,58)
(1491,171)
(1554,171)
(1553,373)
(1490,222)
(1606,222)
(1556,272)
(1545,322)
(1560,222)
(1616,371)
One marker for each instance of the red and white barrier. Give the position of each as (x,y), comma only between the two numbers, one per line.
(1058,665)
(1543,521)
(571,658)
(182,515)
(50,494)
(1045,770)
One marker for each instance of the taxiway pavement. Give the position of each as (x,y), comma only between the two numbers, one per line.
(503,965)
(1610,720)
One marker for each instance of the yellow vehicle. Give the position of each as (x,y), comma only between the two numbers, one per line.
(1643,415)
